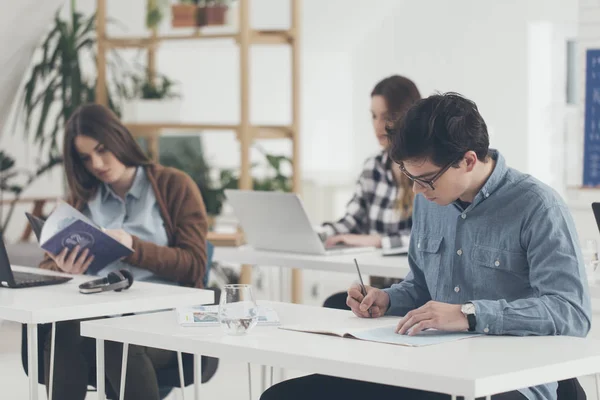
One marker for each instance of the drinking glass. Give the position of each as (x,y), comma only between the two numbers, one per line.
(238,312)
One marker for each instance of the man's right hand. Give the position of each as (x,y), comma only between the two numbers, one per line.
(73,262)
(376,299)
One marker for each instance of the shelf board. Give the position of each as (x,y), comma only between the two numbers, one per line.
(256,37)
(271,132)
(149,127)
(258,131)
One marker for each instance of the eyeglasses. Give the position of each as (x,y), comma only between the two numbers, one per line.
(428,183)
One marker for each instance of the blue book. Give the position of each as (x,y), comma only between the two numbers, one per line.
(67,227)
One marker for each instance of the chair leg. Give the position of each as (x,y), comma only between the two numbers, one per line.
(52,341)
(271,381)
(124,370)
(597,386)
(181,381)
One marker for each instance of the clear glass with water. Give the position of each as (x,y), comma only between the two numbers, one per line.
(238,312)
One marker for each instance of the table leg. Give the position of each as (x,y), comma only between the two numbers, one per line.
(100,369)
(124,370)
(197,376)
(263,378)
(52,342)
(249,382)
(32,360)
(181,380)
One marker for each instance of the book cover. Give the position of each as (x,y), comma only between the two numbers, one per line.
(67,227)
(209,316)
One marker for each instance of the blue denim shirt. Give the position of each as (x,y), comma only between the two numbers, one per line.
(513,252)
(137,215)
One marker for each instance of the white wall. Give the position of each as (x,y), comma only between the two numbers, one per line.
(477,48)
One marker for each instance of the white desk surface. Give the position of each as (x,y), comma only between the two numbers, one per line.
(370,262)
(63,302)
(473,367)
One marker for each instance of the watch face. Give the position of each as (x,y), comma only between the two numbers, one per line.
(468,308)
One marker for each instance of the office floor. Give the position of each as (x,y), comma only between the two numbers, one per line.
(14,383)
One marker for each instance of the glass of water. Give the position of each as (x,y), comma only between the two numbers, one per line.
(238,312)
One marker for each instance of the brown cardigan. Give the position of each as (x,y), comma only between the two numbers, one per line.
(184,216)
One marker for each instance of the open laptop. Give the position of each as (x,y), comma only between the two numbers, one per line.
(277,221)
(16,279)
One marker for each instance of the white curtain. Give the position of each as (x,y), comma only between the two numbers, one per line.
(23,24)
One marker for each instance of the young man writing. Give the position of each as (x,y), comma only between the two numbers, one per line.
(492,250)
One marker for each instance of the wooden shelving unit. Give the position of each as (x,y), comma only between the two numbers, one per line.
(246,132)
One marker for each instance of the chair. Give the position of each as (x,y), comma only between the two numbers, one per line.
(168,378)
(570,389)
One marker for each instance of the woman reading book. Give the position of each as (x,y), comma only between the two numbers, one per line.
(379,213)
(155,210)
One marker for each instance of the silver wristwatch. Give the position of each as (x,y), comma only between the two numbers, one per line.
(468,309)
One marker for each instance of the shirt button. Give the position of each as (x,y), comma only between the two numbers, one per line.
(459,252)
(487,195)
(456,289)
(419,245)
(486,330)
(497,263)
(464,216)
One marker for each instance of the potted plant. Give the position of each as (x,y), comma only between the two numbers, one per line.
(58,82)
(184,14)
(152,100)
(196,13)
(212,12)
(155,12)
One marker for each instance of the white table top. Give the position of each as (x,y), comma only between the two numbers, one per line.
(63,302)
(370,262)
(472,367)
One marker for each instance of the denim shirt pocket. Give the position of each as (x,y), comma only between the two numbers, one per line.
(499,269)
(429,258)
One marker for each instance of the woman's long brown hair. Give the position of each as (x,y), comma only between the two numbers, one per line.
(101,124)
(400,93)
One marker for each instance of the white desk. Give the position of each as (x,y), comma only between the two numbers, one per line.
(371,262)
(63,302)
(474,367)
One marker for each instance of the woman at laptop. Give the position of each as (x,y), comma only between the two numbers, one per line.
(155,210)
(379,213)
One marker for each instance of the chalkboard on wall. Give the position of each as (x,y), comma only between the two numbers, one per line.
(591,154)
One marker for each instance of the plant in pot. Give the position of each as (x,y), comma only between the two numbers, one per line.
(63,77)
(184,14)
(195,13)
(212,12)
(152,100)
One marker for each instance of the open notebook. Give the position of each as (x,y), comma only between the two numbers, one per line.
(386,334)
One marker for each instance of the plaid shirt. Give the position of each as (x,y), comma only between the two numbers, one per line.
(373,208)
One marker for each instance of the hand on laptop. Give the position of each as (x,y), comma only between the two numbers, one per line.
(354,240)
(376,299)
(73,262)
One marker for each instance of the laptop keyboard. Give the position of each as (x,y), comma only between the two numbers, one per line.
(28,279)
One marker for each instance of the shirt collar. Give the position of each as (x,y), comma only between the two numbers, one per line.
(495,180)
(135,190)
